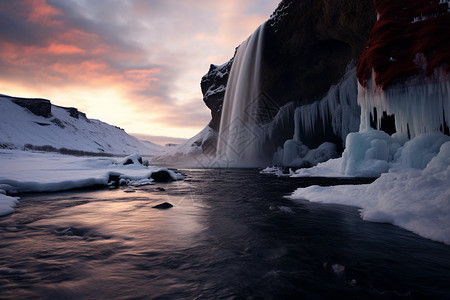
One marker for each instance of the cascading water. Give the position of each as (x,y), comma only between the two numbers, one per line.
(239,129)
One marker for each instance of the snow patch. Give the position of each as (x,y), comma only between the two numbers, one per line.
(411,196)
(7,203)
(23,171)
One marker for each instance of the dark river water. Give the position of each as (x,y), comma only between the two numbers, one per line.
(230,234)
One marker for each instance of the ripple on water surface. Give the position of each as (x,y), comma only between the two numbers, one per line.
(229,234)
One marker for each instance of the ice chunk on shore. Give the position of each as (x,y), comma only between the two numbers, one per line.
(7,203)
(367,153)
(415,199)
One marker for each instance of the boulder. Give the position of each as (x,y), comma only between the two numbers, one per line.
(164,205)
(161,176)
(132,159)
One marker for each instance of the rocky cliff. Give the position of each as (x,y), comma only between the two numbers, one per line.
(307,48)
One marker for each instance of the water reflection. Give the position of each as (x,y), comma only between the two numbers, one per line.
(227,236)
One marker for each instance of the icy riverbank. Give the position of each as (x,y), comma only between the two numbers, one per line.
(24,171)
(412,192)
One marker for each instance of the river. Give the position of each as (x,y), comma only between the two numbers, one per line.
(229,234)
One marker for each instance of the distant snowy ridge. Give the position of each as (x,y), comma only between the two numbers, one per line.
(35,123)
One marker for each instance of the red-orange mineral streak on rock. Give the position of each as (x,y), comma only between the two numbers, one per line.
(409,38)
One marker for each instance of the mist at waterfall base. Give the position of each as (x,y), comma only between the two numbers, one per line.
(230,234)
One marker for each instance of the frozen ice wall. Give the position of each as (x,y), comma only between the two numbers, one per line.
(417,107)
(338,110)
(339,107)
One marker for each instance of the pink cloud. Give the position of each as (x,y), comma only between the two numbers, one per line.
(64,49)
(43,13)
(153,53)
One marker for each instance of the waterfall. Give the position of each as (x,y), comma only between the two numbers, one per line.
(239,133)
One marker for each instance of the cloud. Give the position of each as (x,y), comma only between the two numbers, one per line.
(145,55)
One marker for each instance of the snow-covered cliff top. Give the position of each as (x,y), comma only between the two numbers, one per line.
(63,128)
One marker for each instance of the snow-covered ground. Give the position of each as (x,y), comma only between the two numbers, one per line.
(413,191)
(19,127)
(192,153)
(26,171)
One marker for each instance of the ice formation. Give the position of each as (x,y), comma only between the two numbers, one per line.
(403,72)
(417,107)
(338,108)
(414,194)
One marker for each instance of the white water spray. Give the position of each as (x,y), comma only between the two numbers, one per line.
(239,130)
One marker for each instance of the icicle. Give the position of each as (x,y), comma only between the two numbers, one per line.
(418,108)
(339,106)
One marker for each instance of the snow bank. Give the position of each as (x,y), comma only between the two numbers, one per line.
(7,203)
(277,171)
(414,194)
(329,168)
(24,171)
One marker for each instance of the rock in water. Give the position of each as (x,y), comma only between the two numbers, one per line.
(164,205)
(161,176)
(132,159)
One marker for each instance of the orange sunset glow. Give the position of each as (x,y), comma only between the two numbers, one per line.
(135,64)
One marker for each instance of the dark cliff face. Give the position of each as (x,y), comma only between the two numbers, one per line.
(39,107)
(43,107)
(307,47)
(213,86)
(310,43)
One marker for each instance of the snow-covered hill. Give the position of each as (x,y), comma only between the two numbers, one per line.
(37,124)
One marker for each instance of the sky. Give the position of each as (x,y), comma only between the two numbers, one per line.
(136,64)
